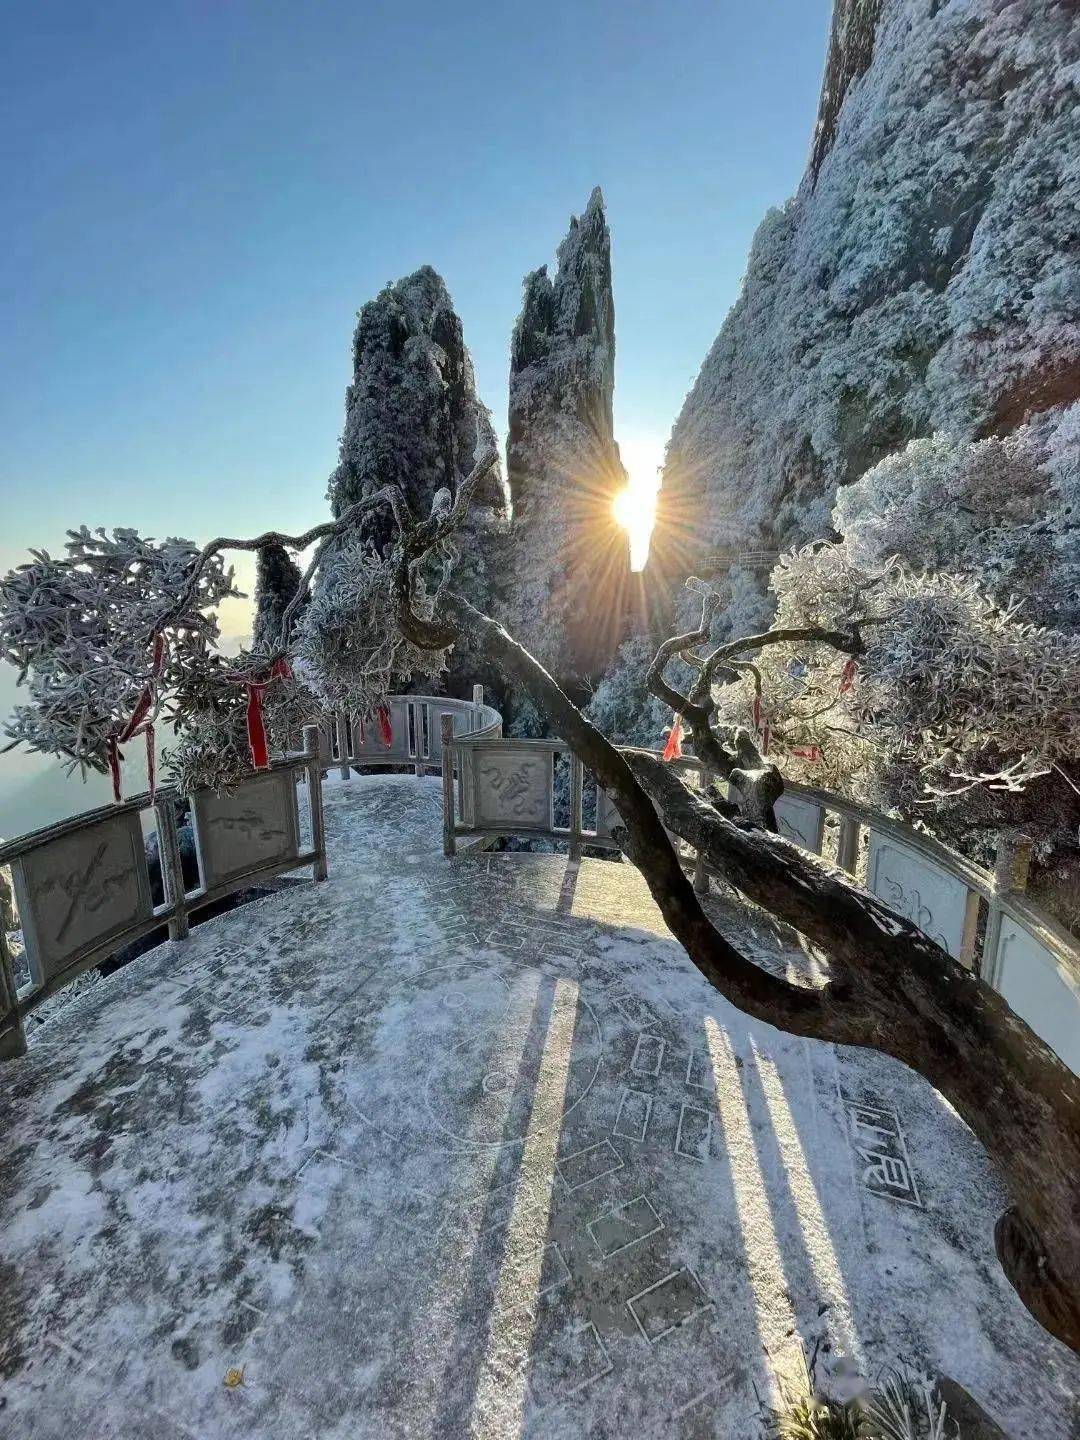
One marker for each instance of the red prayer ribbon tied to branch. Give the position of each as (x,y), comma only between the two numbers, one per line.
(386,729)
(256,724)
(847,676)
(136,726)
(673,748)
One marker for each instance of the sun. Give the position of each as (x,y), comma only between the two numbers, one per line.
(635,511)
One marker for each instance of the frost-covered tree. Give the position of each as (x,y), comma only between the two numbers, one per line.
(961,566)
(277,579)
(888,985)
(102,635)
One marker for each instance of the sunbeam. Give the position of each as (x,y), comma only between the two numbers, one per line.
(500,1393)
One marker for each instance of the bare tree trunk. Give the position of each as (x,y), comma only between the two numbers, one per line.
(892,989)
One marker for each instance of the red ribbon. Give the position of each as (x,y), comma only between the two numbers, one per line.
(847,676)
(808,752)
(673,748)
(256,725)
(386,729)
(135,726)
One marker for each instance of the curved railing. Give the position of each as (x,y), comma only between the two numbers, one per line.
(414,726)
(512,788)
(85,887)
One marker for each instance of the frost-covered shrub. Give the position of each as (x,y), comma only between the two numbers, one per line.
(348,646)
(1002,509)
(208,711)
(80,630)
(960,561)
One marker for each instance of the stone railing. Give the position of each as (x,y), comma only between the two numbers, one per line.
(415,725)
(83,887)
(512,788)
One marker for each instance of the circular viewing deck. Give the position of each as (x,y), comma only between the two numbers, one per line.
(468,1147)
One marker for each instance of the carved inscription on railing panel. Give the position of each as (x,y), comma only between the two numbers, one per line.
(81,889)
(801,821)
(256,825)
(938,903)
(513,788)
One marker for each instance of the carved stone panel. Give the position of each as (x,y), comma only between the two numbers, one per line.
(801,821)
(80,890)
(254,826)
(607,816)
(513,788)
(1041,989)
(941,905)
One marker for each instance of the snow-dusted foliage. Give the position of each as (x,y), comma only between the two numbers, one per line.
(1002,509)
(348,646)
(961,564)
(80,630)
(569,557)
(208,712)
(924,279)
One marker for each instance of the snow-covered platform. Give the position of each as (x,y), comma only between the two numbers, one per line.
(468,1147)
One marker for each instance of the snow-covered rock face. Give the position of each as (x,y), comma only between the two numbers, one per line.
(570,558)
(925,277)
(413,419)
(412,416)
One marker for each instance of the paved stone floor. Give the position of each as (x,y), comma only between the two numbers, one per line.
(469,1148)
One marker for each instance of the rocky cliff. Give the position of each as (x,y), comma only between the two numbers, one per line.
(925,277)
(412,415)
(569,559)
(413,418)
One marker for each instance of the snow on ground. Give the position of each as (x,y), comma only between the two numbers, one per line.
(468,1147)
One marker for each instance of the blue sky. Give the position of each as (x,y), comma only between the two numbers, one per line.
(200,196)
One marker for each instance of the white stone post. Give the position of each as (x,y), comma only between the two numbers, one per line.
(577,783)
(172,865)
(847,844)
(1011,867)
(446,730)
(12,1034)
(314,780)
(341,727)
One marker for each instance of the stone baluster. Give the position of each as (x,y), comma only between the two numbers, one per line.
(577,780)
(847,844)
(12,1034)
(447,733)
(172,865)
(313,769)
(1011,868)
